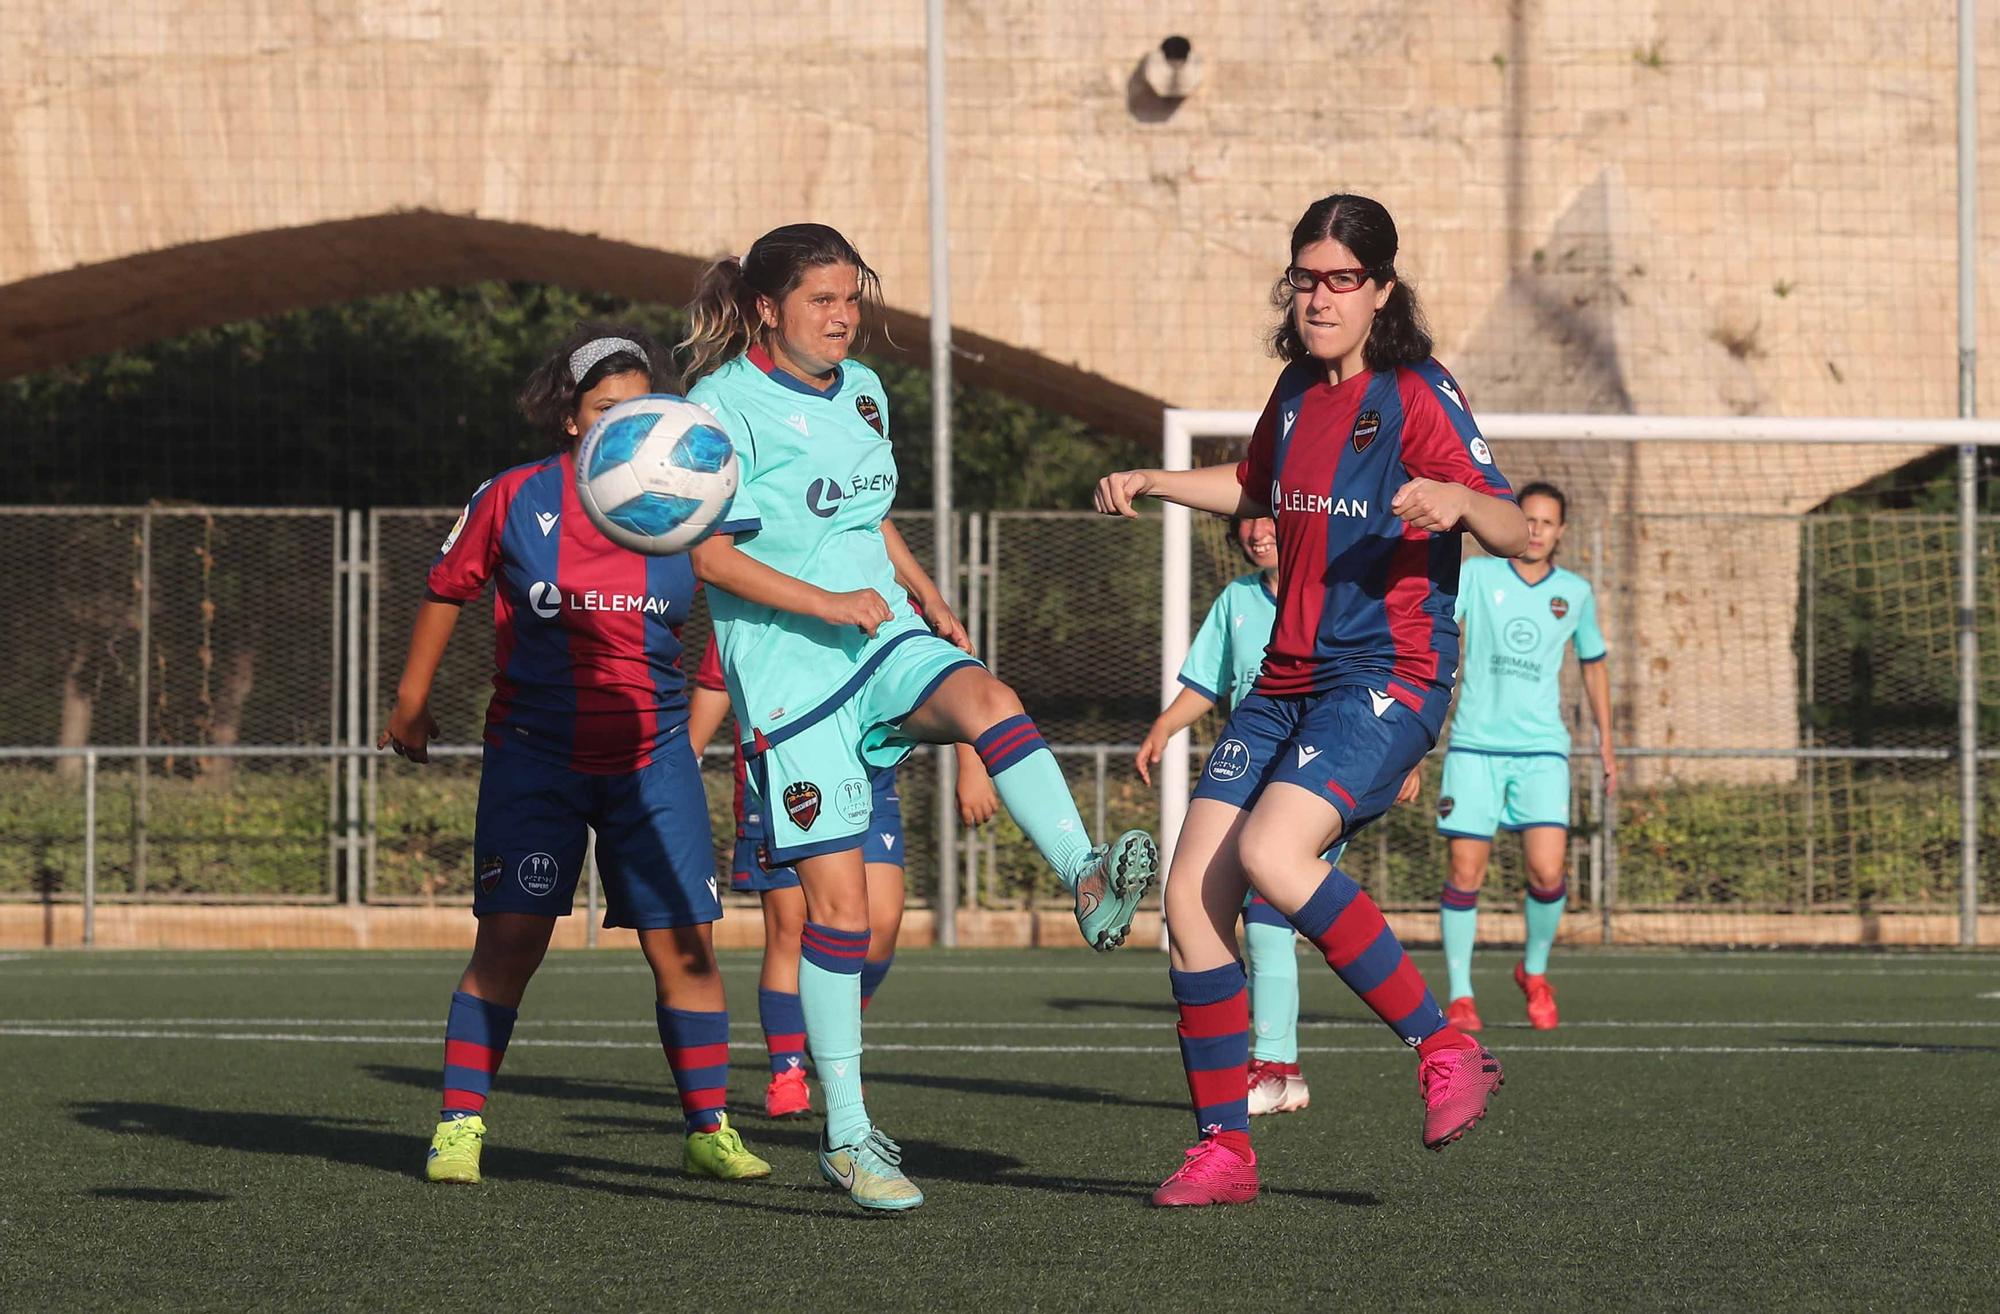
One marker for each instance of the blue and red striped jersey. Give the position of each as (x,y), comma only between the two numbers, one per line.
(587,646)
(1363,599)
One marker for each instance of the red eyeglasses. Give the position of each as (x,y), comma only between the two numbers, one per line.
(1336,280)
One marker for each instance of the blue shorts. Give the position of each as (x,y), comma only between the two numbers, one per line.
(883,842)
(654,854)
(1350,745)
(1483,792)
(813,774)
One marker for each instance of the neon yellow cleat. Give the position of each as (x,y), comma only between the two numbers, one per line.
(454,1153)
(720,1154)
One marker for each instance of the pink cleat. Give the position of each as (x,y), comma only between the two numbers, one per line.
(1541,998)
(1462,1014)
(1213,1174)
(1456,1083)
(787,1096)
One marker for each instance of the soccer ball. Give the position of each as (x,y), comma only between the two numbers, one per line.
(656,474)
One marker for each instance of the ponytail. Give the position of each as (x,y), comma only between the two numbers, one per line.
(722,319)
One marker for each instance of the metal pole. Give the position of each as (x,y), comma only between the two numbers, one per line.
(941,513)
(1176,583)
(372,702)
(1812,663)
(90,848)
(590,890)
(1968,480)
(1099,762)
(351,827)
(142,803)
(970,844)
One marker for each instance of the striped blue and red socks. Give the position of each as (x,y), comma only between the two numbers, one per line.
(475,1040)
(784,1024)
(1031,783)
(1346,926)
(1215,1049)
(697,1046)
(872,974)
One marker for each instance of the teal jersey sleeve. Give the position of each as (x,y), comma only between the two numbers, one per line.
(743,517)
(1588,639)
(1206,670)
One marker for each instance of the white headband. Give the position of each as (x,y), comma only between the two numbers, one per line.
(585,358)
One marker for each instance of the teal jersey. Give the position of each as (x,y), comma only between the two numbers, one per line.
(1228,650)
(816,477)
(1510,685)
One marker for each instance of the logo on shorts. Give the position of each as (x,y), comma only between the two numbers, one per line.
(1445,806)
(1523,635)
(1365,429)
(763,858)
(802,803)
(1229,761)
(491,868)
(870,412)
(853,801)
(1558,607)
(537,874)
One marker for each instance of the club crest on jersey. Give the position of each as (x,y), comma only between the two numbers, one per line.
(870,412)
(1559,607)
(802,803)
(491,868)
(1365,429)
(1445,805)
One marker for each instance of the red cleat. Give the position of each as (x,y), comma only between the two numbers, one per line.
(1541,998)
(1213,1174)
(787,1096)
(1456,1084)
(1462,1014)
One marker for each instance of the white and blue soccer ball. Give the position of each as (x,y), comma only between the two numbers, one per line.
(656,474)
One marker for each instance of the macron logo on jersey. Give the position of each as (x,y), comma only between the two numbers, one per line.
(798,421)
(547,520)
(1291,418)
(1444,386)
(1383,702)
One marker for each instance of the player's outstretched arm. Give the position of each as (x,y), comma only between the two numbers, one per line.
(411,726)
(1597,688)
(1186,708)
(1442,507)
(1211,488)
(718,562)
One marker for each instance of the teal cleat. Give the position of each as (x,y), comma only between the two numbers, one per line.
(1108,892)
(871,1173)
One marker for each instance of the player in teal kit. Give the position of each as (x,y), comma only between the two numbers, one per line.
(1508,764)
(831,672)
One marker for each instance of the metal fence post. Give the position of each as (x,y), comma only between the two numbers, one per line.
(89,848)
(1812,662)
(371,704)
(1968,476)
(351,821)
(142,803)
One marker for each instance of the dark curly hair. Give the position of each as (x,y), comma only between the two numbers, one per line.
(1399,335)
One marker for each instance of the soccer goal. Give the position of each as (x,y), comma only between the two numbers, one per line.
(1793,608)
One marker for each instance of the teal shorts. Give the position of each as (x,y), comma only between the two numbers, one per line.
(812,774)
(1484,792)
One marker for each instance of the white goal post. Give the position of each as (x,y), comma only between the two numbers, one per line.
(1182,429)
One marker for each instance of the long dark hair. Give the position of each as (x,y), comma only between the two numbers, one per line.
(549,398)
(1399,335)
(723,319)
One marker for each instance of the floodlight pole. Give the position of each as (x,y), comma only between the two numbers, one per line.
(946,902)
(1968,480)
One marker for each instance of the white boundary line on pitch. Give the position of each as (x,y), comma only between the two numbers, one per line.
(1850,970)
(1140,1028)
(1383,1049)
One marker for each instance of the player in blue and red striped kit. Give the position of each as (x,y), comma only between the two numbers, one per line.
(1369,460)
(586,729)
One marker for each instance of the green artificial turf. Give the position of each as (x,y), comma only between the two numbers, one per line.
(1705,1131)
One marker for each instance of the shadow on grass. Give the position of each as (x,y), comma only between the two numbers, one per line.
(155,1194)
(364,1145)
(1893,1046)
